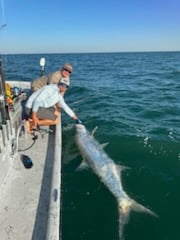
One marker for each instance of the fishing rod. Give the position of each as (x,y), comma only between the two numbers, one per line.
(2,26)
(3,112)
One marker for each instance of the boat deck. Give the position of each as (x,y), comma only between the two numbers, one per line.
(30,197)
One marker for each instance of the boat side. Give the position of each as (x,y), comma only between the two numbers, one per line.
(30,197)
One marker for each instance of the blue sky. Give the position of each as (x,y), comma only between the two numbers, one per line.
(59,26)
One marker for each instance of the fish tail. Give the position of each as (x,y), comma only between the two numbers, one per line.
(140,208)
(125,207)
(124,212)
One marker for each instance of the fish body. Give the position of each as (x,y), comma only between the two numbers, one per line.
(108,172)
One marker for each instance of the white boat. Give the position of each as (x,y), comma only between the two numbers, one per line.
(29,197)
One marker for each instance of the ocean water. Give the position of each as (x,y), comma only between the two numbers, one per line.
(134,99)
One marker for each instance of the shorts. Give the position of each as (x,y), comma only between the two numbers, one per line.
(43,113)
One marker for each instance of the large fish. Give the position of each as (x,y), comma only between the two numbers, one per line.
(109,173)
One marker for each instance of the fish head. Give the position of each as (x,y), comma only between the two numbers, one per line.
(80,128)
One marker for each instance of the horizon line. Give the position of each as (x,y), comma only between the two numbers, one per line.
(147,51)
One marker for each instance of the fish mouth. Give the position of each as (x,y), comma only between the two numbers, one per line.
(81,128)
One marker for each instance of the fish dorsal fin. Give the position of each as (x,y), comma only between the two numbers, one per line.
(94,130)
(82,166)
(103,145)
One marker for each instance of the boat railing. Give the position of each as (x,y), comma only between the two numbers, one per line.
(53,222)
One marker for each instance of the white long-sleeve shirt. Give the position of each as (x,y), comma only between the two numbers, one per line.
(46,97)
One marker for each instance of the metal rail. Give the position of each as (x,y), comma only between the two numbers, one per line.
(53,223)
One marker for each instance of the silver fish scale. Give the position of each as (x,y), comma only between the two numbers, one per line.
(101,164)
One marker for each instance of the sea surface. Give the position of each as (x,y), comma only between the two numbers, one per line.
(134,99)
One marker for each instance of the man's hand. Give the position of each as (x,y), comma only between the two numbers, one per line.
(78,121)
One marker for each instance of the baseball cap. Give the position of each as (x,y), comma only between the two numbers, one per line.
(65,81)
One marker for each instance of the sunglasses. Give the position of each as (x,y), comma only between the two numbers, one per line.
(64,85)
(67,70)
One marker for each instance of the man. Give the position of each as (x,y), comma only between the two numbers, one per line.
(53,77)
(42,107)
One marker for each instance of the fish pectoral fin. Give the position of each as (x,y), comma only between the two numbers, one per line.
(70,157)
(82,166)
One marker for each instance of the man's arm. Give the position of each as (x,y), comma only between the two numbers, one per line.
(66,108)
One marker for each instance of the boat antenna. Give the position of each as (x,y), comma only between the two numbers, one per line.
(2,25)
(42,64)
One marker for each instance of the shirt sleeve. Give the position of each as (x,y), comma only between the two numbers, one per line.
(65,107)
